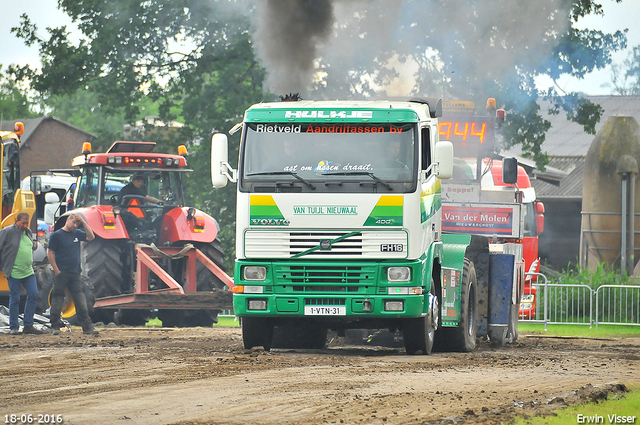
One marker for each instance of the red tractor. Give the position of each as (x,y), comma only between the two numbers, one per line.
(138,260)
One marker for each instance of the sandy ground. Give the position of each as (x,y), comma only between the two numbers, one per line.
(194,376)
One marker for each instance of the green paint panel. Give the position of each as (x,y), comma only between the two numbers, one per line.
(430,206)
(385,212)
(455,246)
(265,211)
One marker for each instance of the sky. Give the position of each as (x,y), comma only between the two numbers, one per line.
(44,13)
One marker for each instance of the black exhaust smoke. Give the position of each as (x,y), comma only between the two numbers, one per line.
(287,36)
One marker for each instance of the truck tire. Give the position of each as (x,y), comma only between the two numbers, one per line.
(419,333)
(256,332)
(513,331)
(206,281)
(463,337)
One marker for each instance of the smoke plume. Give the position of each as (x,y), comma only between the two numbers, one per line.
(412,47)
(287,36)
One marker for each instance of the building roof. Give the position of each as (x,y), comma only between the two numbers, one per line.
(566,138)
(568,188)
(31,124)
(567,145)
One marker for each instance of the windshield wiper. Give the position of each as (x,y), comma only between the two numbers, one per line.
(362,173)
(283,173)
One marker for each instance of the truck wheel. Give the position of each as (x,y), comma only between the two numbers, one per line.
(515,309)
(463,338)
(206,281)
(256,332)
(419,333)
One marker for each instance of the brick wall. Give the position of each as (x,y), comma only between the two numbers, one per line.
(52,145)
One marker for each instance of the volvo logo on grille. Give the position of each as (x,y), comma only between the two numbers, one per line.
(325,244)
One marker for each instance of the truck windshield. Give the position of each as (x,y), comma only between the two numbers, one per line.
(329,157)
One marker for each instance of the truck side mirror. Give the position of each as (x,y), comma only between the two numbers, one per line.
(509,170)
(444,159)
(51,206)
(220,161)
(539,216)
(36,185)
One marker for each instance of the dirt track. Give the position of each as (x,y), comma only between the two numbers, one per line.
(188,376)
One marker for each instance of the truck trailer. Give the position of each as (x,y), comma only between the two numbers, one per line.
(340,226)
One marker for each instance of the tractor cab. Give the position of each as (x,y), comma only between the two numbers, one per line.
(133,183)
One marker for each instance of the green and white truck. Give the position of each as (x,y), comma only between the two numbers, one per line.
(339,226)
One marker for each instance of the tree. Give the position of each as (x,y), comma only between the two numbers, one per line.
(14,102)
(199,59)
(193,59)
(630,79)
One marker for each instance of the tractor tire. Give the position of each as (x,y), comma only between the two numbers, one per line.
(102,264)
(206,281)
(419,333)
(45,277)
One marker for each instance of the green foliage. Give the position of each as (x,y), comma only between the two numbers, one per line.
(13,101)
(83,110)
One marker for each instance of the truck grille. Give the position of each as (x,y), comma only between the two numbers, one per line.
(286,244)
(324,301)
(299,279)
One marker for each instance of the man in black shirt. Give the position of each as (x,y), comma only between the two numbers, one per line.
(64,257)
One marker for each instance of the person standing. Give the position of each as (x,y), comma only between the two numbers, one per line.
(64,257)
(16,257)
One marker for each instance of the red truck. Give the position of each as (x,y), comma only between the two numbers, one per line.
(533,226)
(473,137)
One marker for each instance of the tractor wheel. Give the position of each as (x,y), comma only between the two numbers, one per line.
(206,281)
(102,264)
(45,277)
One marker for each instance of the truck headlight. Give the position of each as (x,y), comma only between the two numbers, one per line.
(254,273)
(399,274)
(257,305)
(393,305)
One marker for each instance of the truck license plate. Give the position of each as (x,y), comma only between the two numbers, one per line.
(310,310)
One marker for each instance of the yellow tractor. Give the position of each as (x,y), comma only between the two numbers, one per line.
(14,200)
